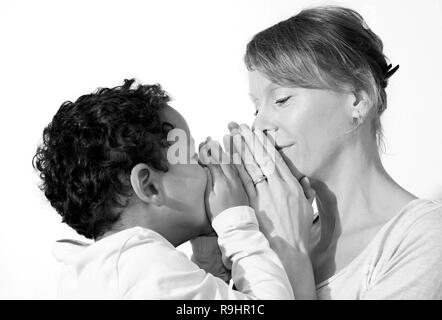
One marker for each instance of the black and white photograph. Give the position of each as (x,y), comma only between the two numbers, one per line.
(221,150)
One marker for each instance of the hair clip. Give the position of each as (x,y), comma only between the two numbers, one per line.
(390,71)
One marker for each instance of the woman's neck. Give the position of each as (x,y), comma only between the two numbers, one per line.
(356,192)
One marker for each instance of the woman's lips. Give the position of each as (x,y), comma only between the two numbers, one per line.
(283,147)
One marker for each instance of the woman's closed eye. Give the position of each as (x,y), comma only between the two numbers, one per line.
(282,100)
(279,102)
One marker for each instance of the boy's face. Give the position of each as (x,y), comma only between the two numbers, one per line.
(185,182)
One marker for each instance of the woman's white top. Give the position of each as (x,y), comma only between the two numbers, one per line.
(403,261)
(139,263)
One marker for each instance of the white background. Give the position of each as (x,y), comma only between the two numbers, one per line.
(52,51)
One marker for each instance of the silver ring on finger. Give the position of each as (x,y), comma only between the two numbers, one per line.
(259,179)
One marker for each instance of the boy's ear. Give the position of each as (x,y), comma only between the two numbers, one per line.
(145,183)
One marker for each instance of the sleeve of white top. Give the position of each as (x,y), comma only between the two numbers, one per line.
(256,269)
(159,271)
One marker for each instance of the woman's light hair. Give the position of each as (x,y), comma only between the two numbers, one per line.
(326,47)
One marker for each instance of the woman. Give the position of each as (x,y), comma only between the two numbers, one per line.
(318,82)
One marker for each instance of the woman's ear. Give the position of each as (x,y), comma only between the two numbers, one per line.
(146,185)
(360,106)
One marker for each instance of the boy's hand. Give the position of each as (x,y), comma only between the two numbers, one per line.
(224,187)
(207,255)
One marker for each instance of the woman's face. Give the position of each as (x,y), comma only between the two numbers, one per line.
(310,125)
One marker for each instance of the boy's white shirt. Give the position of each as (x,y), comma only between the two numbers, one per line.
(139,263)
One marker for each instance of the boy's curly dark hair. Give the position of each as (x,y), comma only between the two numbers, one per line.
(90,148)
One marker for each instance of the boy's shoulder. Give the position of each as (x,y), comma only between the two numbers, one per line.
(135,262)
(147,260)
(148,249)
(143,245)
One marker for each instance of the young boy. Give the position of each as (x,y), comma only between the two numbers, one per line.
(105,169)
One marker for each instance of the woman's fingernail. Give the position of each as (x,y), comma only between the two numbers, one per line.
(243,127)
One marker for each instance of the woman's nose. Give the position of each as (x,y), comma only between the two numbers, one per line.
(263,123)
